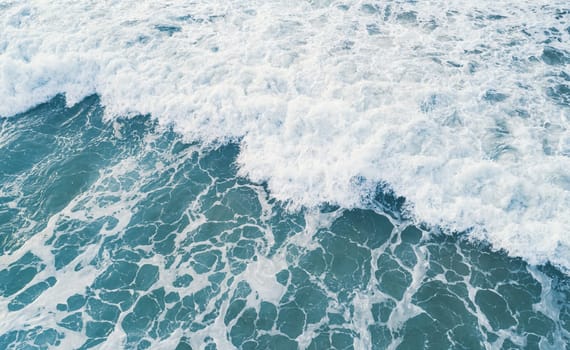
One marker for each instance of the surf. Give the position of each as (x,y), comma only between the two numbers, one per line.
(461,109)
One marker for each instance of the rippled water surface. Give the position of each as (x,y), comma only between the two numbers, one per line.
(121,235)
(347,174)
(460,107)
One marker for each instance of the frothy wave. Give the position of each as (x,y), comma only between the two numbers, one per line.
(463,109)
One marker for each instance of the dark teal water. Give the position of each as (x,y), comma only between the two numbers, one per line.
(121,235)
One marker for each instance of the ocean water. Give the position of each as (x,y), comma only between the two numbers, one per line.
(285,175)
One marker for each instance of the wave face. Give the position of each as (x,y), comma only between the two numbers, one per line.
(120,235)
(463,109)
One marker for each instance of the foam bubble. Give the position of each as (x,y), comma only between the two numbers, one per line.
(461,108)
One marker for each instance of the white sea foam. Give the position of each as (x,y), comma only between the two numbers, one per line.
(449,102)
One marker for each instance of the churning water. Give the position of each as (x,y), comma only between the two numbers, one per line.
(284,174)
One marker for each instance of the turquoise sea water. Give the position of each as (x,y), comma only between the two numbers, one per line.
(120,235)
(285,174)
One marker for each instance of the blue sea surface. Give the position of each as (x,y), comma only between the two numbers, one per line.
(271,174)
(121,235)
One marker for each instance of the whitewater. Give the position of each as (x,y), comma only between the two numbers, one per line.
(427,139)
(460,108)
